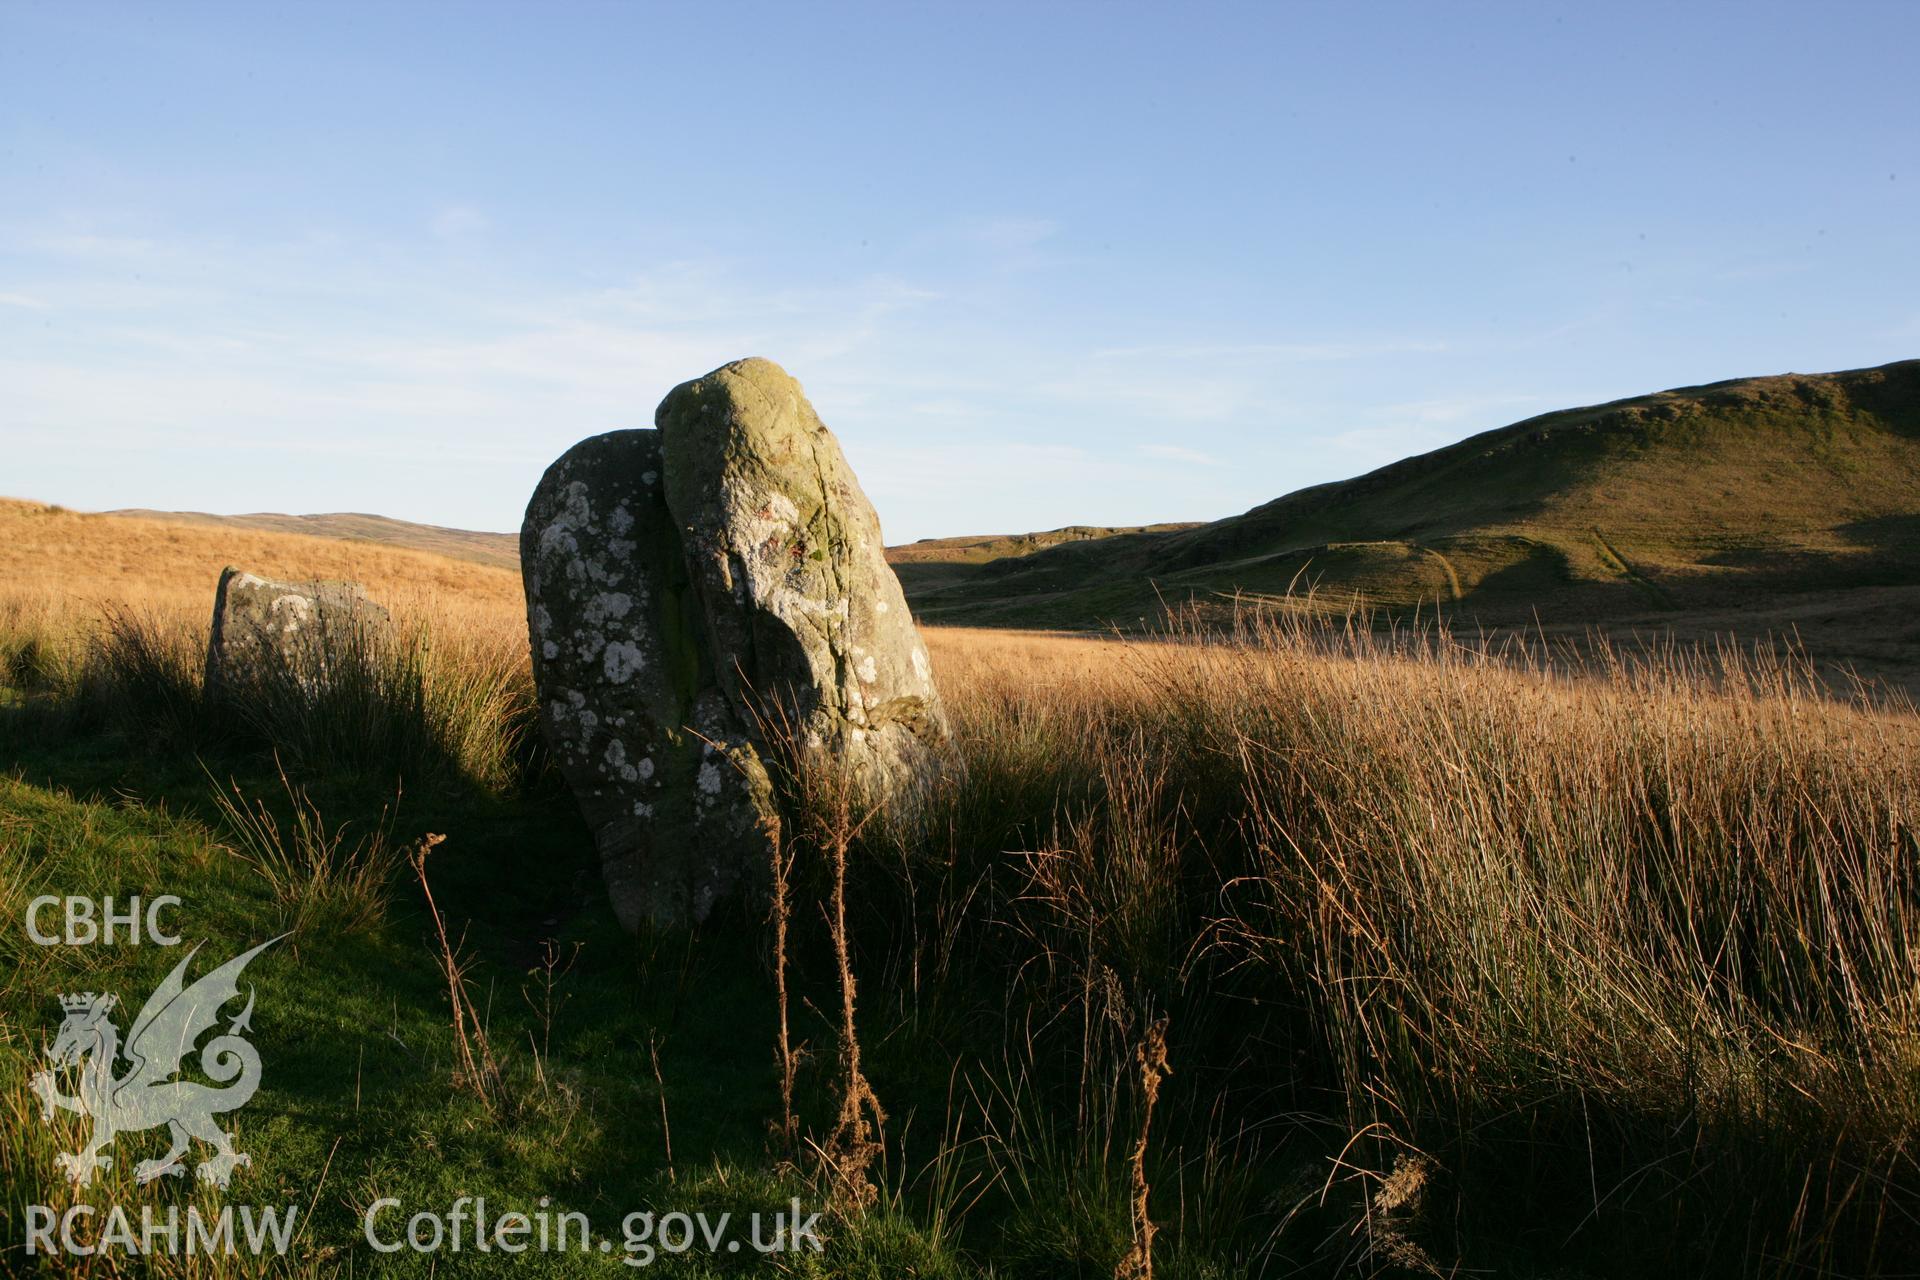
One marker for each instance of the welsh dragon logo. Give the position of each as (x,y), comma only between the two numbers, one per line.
(146,1095)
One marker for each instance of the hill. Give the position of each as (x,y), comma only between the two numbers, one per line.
(66,563)
(934,565)
(1760,495)
(1751,506)
(501,550)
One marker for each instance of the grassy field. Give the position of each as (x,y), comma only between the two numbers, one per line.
(59,565)
(1340,951)
(500,550)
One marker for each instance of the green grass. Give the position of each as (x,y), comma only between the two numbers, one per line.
(1468,963)
(352,1026)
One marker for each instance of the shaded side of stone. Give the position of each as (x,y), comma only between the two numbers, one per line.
(660,765)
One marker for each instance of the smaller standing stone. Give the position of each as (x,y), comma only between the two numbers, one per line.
(665,773)
(264,628)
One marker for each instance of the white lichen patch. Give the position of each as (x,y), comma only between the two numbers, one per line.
(575,514)
(615,758)
(621,660)
(293,612)
(709,779)
(577,511)
(608,606)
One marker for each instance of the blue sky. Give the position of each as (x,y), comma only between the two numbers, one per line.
(1036,265)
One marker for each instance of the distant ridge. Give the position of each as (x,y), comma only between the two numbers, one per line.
(1753,506)
(501,550)
(1733,495)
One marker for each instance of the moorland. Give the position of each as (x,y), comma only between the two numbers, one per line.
(1428,891)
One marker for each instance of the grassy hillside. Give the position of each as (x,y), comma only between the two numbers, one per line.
(500,550)
(933,565)
(66,563)
(1697,499)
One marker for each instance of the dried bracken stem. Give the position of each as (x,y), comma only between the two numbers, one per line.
(1151,1055)
(549,975)
(477,1068)
(782,911)
(856,1138)
(660,1081)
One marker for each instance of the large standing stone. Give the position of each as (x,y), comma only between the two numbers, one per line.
(264,629)
(786,555)
(664,773)
(685,585)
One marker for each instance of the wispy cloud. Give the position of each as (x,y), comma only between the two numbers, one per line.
(1402,430)
(458,222)
(1907,331)
(1452,409)
(86,245)
(1278,352)
(325,371)
(1177,453)
(1008,234)
(1762,269)
(304,347)
(1376,446)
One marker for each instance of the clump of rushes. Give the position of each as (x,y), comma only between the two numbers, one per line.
(320,877)
(421,703)
(1556,917)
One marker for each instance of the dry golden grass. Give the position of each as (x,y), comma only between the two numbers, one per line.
(66,565)
(1634,932)
(1627,930)
(61,567)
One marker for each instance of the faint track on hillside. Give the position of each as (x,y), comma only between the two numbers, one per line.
(1611,555)
(1453,578)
